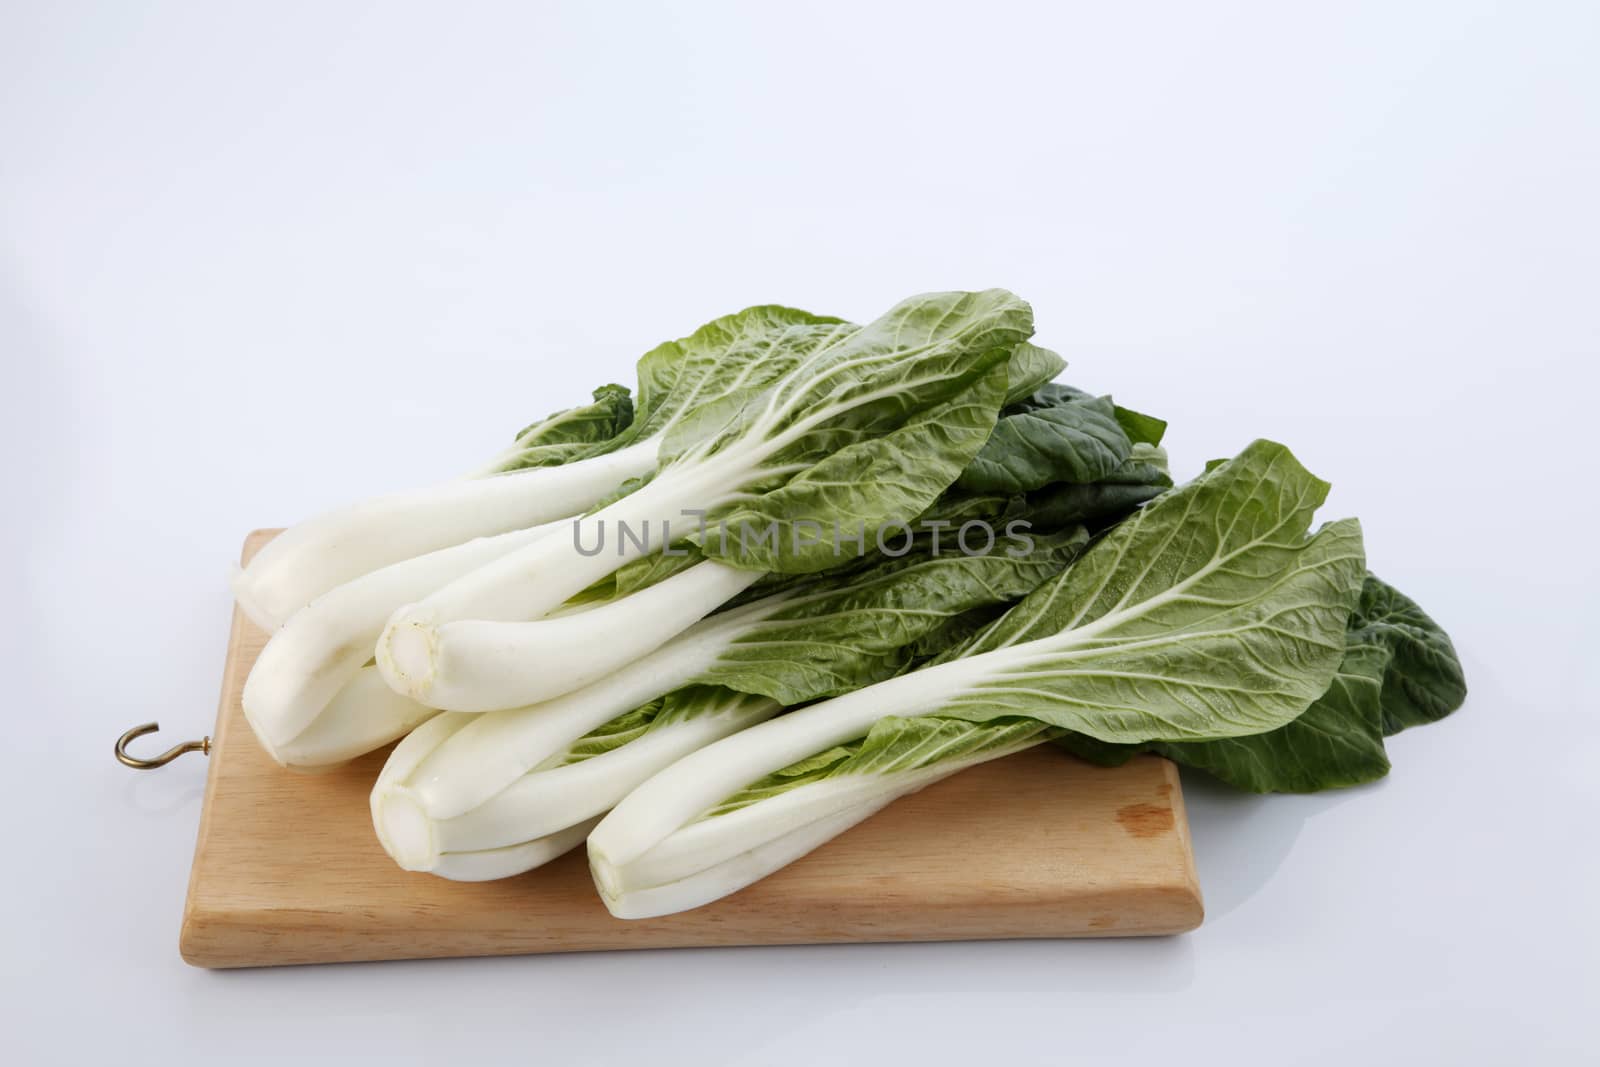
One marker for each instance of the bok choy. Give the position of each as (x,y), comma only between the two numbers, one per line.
(671,622)
(1214,612)
(869,425)
(323,646)
(313,557)
(503,780)
(488,666)
(559,467)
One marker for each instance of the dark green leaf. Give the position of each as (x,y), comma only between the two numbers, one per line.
(1399,670)
(1058,435)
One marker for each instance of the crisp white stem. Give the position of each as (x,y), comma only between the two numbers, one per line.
(314,556)
(708,842)
(531,582)
(487,666)
(501,746)
(494,863)
(415,747)
(543,802)
(725,878)
(521,827)
(325,643)
(701,780)
(405,758)
(363,716)
(721,854)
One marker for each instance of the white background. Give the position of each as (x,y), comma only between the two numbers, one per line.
(256,260)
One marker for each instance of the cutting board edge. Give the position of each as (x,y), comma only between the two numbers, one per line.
(255,937)
(193,912)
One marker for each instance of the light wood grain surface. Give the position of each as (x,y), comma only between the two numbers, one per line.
(287,870)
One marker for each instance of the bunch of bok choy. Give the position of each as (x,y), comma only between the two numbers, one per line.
(868,426)
(581,643)
(920,388)
(480,796)
(559,467)
(1214,617)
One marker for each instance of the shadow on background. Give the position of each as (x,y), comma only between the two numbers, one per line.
(1241,839)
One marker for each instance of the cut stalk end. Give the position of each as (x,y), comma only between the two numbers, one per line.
(406,656)
(261,739)
(607,879)
(407,832)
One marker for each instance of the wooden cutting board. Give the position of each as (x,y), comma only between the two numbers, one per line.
(287,870)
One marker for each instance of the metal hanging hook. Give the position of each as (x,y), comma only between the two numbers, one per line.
(202,745)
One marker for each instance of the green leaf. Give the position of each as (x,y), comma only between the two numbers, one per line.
(644,572)
(855,482)
(721,367)
(1138,481)
(1424,682)
(897,745)
(1141,429)
(1212,613)
(901,744)
(815,768)
(571,434)
(686,387)
(1058,435)
(1028,370)
(954,631)
(680,705)
(834,634)
(869,429)
(1399,668)
(1093,505)
(1335,742)
(725,360)
(625,728)
(1209,613)
(1055,508)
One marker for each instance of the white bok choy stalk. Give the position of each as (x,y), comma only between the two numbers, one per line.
(560,467)
(505,779)
(868,427)
(1211,613)
(551,809)
(812,802)
(489,666)
(322,647)
(465,866)
(477,665)
(364,715)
